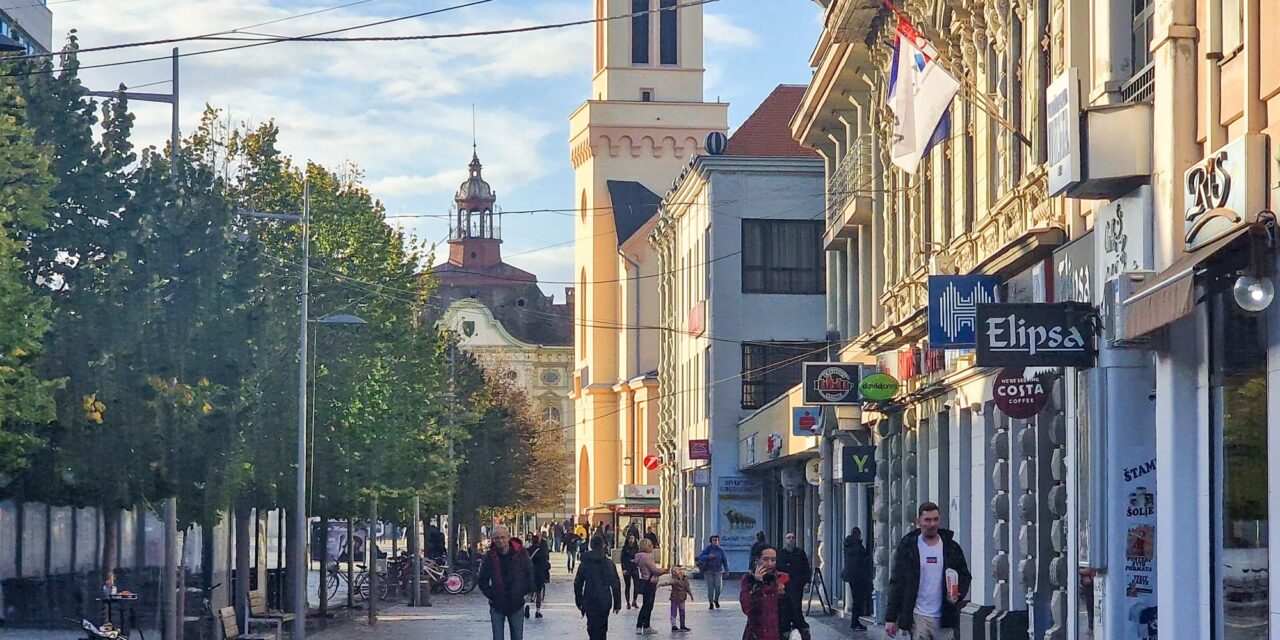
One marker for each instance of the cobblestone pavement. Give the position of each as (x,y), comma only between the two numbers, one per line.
(466,617)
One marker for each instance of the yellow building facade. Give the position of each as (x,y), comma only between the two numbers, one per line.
(643,120)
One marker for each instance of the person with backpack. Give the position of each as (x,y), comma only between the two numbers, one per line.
(713,563)
(596,591)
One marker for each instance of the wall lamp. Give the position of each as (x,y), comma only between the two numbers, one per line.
(1254,290)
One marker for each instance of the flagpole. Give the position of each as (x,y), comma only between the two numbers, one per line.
(973,91)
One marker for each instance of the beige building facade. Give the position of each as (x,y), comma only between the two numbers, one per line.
(644,118)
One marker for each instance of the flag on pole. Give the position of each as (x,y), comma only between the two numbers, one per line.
(920,94)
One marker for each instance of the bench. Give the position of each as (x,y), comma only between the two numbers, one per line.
(231,629)
(259,614)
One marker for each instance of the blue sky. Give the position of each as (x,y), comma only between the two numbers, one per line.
(402,111)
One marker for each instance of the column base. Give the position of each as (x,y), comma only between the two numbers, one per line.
(973,619)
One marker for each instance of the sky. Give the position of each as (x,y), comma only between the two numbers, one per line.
(402,111)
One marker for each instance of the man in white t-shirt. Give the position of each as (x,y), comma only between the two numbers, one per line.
(928,582)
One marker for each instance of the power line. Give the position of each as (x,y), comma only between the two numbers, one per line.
(321,37)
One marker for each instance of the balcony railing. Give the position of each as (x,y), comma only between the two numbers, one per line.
(1141,87)
(851,178)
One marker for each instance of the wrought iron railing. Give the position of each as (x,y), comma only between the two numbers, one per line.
(851,177)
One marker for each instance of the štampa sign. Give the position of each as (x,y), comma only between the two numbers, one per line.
(1036,335)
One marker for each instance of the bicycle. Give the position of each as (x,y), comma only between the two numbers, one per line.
(359,589)
(451,582)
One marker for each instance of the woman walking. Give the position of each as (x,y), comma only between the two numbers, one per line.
(629,578)
(649,573)
(540,555)
(714,564)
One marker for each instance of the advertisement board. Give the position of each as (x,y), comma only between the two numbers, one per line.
(1036,335)
(831,383)
(740,510)
(953,309)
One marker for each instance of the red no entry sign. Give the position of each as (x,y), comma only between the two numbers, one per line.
(652,462)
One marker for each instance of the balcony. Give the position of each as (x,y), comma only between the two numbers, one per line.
(849,201)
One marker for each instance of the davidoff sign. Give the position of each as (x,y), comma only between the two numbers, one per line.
(1036,335)
(1225,190)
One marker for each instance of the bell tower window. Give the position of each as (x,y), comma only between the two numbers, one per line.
(668,32)
(640,32)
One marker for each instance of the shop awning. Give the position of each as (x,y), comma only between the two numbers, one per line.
(1171,294)
(635,506)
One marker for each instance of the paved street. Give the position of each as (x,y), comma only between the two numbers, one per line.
(467,617)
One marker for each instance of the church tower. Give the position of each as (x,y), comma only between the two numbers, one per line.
(474,240)
(644,119)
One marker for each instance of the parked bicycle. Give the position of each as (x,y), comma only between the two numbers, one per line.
(359,589)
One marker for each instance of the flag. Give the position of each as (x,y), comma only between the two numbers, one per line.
(920,94)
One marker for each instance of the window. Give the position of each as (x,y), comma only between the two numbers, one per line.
(646,95)
(783,256)
(1143,26)
(707,383)
(1232,25)
(640,32)
(770,368)
(668,40)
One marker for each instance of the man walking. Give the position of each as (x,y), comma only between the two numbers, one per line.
(793,561)
(596,590)
(857,573)
(929,581)
(506,576)
(558,536)
(571,542)
(713,563)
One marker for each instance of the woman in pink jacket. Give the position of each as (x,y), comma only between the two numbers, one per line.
(649,572)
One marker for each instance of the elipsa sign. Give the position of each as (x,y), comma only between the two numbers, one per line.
(1036,335)
(834,383)
(1225,190)
(953,309)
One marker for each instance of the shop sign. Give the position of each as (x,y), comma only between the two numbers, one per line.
(878,387)
(773,446)
(805,421)
(702,477)
(1125,226)
(1032,284)
(953,309)
(1063,100)
(858,463)
(1019,396)
(647,512)
(813,471)
(1036,335)
(1073,265)
(1224,190)
(699,449)
(740,514)
(831,383)
(640,491)
(652,462)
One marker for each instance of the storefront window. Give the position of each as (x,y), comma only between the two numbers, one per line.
(1240,438)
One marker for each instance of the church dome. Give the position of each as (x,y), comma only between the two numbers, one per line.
(475,187)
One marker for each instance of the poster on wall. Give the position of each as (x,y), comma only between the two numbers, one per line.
(1140,549)
(740,510)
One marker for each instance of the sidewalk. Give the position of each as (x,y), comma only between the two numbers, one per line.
(466,617)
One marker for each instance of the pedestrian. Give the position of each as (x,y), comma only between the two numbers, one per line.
(793,561)
(609,541)
(928,582)
(857,574)
(540,556)
(630,581)
(652,536)
(506,576)
(633,530)
(648,572)
(558,536)
(756,548)
(760,594)
(571,541)
(680,592)
(596,590)
(713,563)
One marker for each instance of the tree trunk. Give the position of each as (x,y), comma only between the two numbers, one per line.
(240,596)
(110,541)
(351,562)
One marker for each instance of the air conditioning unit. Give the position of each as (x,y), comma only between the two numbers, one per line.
(1114,293)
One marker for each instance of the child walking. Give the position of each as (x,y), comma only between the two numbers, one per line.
(680,592)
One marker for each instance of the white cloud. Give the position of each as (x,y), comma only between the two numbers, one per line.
(553,265)
(720,31)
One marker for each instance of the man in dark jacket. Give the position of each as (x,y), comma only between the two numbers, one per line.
(652,536)
(793,561)
(506,577)
(596,590)
(858,572)
(756,548)
(929,581)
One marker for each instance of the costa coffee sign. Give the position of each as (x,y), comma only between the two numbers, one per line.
(1036,335)
(1019,396)
(834,383)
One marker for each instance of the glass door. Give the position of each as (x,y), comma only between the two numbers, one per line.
(1240,519)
